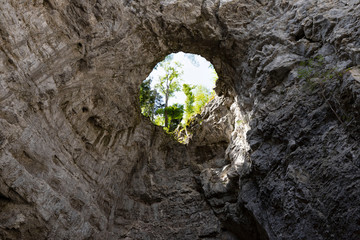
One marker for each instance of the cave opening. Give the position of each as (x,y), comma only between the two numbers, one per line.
(176,91)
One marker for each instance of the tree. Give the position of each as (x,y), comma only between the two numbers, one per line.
(202,96)
(175,114)
(169,83)
(155,102)
(189,102)
(150,100)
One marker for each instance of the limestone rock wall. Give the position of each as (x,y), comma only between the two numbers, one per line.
(274,156)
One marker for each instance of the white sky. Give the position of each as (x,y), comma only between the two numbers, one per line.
(192,74)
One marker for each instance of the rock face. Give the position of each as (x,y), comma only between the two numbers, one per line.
(274,156)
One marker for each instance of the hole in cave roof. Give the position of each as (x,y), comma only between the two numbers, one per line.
(177,89)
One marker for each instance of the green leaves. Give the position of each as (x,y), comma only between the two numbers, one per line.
(156,94)
(317,75)
(150,100)
(175,113)
(169,83)
(314,68)
(196,100)
(189,102)
(202,96)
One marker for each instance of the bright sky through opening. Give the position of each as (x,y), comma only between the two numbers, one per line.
(199,73)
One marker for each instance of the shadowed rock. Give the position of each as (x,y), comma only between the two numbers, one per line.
(274,156)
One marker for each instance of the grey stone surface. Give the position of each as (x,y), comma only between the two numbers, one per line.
(273,156)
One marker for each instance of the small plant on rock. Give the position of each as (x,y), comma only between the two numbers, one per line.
(316,75)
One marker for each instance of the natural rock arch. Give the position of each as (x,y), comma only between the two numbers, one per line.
(78,161)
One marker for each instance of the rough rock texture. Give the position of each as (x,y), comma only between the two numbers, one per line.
(275,156)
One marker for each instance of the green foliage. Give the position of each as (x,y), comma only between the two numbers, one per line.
(175,113)
(316,75)
(202,96)
(176,118)
(195,101)
(159,120)
(168,84)
(240,122)
(150,100)
(189,102)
